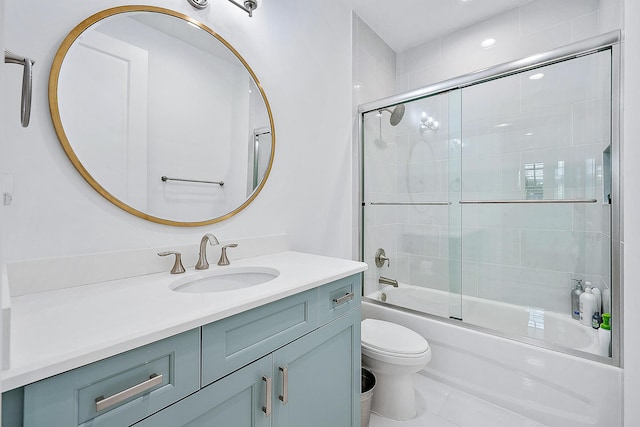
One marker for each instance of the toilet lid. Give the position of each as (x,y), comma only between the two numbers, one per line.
(391,338)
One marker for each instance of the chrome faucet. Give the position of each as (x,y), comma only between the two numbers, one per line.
(202,263)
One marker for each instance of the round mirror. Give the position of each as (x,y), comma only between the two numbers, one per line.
(161,116)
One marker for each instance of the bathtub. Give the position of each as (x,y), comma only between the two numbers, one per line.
(553,388)
(529,322)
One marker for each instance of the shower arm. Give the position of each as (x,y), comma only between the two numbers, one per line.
(27,78)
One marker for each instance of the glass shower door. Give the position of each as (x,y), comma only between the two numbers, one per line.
(536,190)
(410,204)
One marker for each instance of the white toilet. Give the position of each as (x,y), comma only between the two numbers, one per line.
(394,353)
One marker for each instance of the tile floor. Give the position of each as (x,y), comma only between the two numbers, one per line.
(440,405)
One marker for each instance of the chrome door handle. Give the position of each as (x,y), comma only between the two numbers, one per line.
(345,298)
(267,408)
(284,397)
(105,403)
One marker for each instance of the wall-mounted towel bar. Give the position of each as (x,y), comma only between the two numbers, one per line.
(165,179)
(493,202)
(25,107)
(409,203)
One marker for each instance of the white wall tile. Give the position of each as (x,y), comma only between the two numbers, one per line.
(541,14)
(585,26)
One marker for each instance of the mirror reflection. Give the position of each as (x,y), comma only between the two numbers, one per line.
(161,116)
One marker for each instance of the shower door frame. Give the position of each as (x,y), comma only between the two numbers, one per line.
(607,41)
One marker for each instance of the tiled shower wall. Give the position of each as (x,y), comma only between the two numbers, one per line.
(537,26)
(418,243)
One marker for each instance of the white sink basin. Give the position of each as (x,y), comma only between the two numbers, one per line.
(224,279)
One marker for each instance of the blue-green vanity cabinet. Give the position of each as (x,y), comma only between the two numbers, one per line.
(157,375)
(322,377)
(291,363)
(231,343)
(313,381)
(234,401)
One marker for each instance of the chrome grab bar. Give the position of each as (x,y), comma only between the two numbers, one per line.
(105,403)
(492,202)
(166,178)
(27,79)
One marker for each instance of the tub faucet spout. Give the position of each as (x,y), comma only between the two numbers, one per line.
(386,281)
(202,263)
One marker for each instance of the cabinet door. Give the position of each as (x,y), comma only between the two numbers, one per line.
(236,400)
(317,377)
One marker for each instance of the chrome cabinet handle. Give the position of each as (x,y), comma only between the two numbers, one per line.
(284,397)
(267,408)
(345,298)
(102,403)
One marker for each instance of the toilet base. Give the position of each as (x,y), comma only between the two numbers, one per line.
(394,397)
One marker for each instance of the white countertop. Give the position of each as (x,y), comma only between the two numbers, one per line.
(56,331)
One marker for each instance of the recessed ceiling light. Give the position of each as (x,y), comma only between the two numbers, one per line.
(528,134)
(488,43)
(502,125)
(536,76)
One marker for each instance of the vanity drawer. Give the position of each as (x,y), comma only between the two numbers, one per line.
(120,390)
(338,298)
(234,342)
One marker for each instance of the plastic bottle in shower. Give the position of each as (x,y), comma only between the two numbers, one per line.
(598,294)
(604,335)
(587,306)
(575,299)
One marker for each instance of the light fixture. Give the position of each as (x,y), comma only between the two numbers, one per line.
(486,44)
(248,5)
(428,123)
(199,4)
(502,125)
(536,76)
(528,134)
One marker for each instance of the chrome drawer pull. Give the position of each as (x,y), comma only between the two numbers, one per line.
(267,408)
(102,403)
(345,298)
(284,397)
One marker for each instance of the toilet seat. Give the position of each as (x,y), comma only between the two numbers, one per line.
(392,340)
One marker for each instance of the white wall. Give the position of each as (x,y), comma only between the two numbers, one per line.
(301,53)
(3,143)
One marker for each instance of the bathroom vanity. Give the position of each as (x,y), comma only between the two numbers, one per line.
(282,353)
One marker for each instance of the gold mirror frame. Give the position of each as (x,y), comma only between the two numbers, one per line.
(57,122)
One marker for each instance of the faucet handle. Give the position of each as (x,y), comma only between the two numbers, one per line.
(177,265)
(223,256)
(381,258)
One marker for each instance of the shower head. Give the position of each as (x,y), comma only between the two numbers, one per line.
(396,114)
